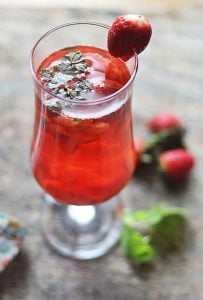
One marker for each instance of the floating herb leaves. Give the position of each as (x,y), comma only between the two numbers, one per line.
(77,61)
(68,78)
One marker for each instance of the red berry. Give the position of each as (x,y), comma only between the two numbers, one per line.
(176,163)
(107,87)
(139,145)
(163,121)
(117,71)
(97,62)
(128,34)
(139,148)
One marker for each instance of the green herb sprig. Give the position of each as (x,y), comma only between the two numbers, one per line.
(72,69)
(146,233)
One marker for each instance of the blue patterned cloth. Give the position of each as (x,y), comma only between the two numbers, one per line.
(12,233)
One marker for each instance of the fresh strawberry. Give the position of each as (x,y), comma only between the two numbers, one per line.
(96,61)
(176,163)
(139,145)
(139,148)
(164,121)
(128,34)
(107,87)
(117,71)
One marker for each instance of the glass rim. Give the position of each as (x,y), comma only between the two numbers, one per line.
(98,100)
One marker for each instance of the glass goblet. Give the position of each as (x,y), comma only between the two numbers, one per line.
(82,152)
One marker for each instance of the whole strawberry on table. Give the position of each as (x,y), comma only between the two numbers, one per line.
(166,146)
(176,163)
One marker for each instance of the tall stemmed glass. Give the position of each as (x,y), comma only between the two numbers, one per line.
(82,154)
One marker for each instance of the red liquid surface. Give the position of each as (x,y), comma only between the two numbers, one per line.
(84,161)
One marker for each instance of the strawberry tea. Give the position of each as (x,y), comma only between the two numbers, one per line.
(82,151)
(82,157)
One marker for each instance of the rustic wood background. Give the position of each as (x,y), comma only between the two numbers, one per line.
(169,78)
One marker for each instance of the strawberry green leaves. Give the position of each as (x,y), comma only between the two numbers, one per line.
(147,233)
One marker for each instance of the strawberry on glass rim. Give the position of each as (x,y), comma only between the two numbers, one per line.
(128,34)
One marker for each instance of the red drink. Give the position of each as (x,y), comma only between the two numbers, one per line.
(83,156)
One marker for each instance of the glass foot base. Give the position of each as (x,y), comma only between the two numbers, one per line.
(82,232)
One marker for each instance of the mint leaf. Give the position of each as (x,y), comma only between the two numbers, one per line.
(136,246)
(169,232)
(68,79)
(77,61)
(161,228)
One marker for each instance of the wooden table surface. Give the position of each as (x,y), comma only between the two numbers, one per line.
(169,78)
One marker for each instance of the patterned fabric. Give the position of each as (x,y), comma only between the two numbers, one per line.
(12,233)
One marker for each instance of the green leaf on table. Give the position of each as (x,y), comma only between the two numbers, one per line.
(169,232)
(136,246)
(159,227)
